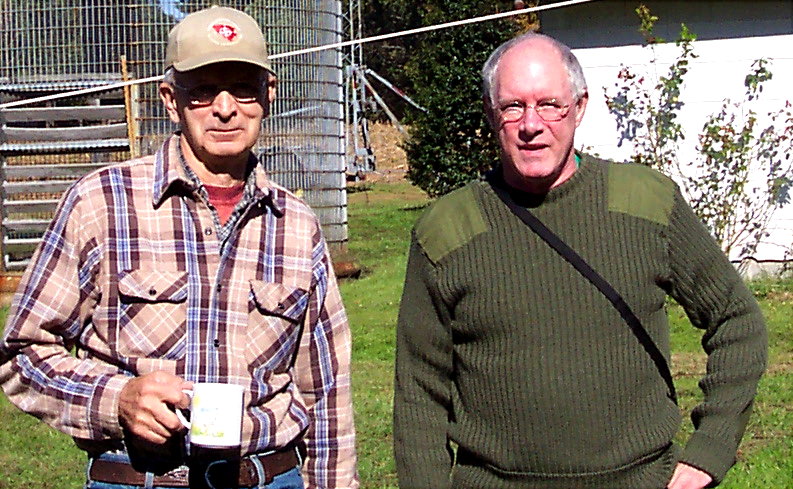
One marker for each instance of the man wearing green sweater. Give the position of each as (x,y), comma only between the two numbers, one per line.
(513,370)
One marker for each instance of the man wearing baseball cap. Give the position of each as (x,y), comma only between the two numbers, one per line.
(189,266)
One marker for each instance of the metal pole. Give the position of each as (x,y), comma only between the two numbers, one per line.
(385,108)
(394,89)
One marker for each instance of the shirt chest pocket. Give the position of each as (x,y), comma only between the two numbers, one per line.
(152,314)
(276,314)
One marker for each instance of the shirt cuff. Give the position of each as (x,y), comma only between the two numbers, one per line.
(103,411)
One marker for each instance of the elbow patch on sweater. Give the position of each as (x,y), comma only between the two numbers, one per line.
(450,223)
(640,192)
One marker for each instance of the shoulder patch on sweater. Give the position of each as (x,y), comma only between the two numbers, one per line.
(641,192)
(450,223)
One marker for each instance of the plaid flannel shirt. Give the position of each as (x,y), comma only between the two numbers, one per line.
(135,275)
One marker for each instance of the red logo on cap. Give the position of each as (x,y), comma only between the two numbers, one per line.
(227,32)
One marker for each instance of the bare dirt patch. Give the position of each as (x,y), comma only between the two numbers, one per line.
(373,192)
(693,364)
(782,364)
(390,160)
(387,145)
(780,296)
(688,364)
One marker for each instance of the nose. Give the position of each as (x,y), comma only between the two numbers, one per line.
(531,123)
(224,106)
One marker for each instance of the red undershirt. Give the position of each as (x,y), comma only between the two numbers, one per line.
(224,199)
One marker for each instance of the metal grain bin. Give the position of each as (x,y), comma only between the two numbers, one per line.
(48,46)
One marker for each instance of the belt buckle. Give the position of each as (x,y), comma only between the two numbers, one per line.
(181,472)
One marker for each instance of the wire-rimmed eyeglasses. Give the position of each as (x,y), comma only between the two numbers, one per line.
(548,110)
(204,94)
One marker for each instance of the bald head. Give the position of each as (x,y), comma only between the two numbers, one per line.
(540,41)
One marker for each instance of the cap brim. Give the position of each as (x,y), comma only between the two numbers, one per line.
(212,58)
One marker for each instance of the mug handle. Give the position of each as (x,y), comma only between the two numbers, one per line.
(185,422)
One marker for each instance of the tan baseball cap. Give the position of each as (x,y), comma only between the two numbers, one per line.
(215,35)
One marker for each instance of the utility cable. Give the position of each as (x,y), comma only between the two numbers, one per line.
(381,37)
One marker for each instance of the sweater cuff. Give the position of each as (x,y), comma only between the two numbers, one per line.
(709,455)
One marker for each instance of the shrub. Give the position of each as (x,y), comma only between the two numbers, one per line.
(741,171)
(451,143)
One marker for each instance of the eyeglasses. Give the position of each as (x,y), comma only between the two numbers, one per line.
(203,95)
(548,110)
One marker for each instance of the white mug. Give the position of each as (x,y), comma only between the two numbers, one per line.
(215,415)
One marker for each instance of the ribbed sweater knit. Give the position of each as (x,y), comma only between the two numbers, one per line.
(506,353)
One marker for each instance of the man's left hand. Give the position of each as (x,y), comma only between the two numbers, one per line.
(687,477)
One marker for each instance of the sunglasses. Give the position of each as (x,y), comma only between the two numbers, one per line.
(204,94)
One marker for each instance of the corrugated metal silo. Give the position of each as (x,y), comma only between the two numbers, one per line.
(48,46)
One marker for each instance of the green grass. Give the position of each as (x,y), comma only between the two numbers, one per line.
(380,222)
(34,456)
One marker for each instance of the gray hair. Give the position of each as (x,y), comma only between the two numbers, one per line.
(169,76)
(574,71)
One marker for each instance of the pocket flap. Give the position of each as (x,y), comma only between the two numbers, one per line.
(153,285)
(280,300)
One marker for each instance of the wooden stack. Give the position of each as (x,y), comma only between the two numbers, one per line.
(43,150)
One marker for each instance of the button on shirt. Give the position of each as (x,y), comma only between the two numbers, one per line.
(136,275)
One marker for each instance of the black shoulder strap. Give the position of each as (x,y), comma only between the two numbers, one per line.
(590,274)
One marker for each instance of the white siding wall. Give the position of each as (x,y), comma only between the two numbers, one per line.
(717,73)
(736,34)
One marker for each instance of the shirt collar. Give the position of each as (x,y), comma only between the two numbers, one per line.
(172,175)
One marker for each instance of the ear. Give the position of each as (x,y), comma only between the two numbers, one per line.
(168,98)
(580,108)
(272,81)
(491,117)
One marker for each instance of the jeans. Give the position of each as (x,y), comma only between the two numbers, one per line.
(290,479)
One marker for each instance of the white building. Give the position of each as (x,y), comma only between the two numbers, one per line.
(731,35)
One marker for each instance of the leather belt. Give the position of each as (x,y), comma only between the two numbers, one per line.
(274,464)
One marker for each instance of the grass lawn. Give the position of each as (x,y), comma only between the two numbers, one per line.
(34,456)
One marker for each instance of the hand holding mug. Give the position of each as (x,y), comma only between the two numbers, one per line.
(145,406)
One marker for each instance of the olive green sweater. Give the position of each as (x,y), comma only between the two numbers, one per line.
(506,352)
